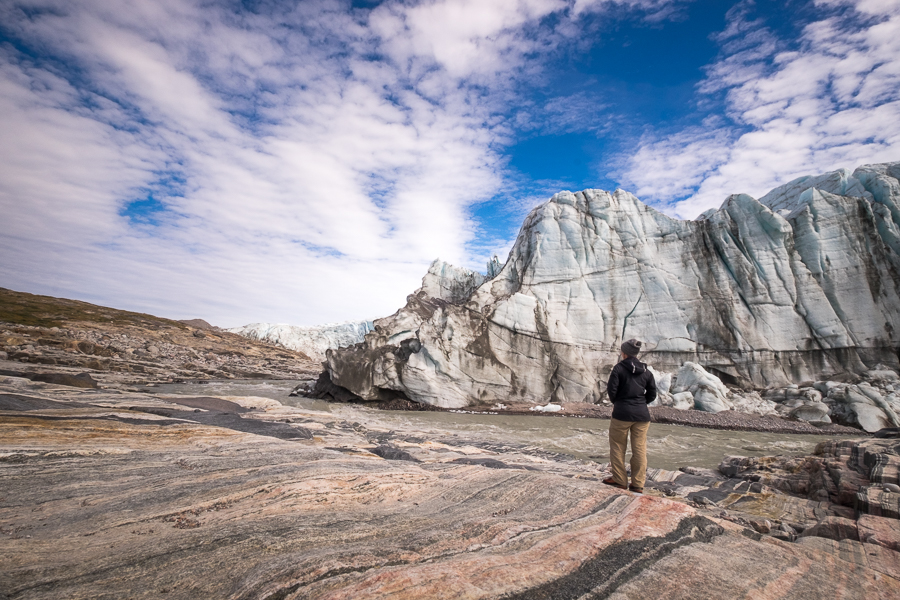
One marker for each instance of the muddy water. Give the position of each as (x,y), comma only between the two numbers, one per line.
(668,446)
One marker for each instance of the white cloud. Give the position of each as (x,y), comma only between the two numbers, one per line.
(468,38)
(829,100)
(305,162)
(654,10)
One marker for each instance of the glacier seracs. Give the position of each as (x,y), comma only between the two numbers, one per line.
(312,341)
(800,285)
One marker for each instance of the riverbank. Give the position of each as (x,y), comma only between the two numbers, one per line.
(110,492)
(727,420)
(302,369)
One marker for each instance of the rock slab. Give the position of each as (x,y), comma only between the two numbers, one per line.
(111,494)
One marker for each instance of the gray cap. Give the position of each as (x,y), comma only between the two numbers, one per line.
(632,347)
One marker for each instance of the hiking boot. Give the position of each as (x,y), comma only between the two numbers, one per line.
(634,489)
(614,483)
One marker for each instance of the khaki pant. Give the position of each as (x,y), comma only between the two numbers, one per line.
(618,440)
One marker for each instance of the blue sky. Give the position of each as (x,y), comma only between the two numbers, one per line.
(304,162)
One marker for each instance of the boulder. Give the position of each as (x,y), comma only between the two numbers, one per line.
(882,373)
(752,403)
(663,380)
(869,417)
(82,380)
(683,401)
(825,387)
(708,391)
(196,323)
(814,412)
(862,405)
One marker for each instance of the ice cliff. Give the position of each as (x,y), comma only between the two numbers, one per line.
(800,285)
(312,341)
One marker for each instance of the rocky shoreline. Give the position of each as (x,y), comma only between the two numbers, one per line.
(727,420)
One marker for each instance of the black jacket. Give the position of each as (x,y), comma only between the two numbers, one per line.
(631,388)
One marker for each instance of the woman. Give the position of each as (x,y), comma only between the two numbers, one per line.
(631,387)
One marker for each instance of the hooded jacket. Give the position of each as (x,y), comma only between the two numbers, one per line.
(631,387)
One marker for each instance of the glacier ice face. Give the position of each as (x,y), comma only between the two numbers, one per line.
(312,341)
(788,198)
(493,267)
(801,285)
(450,283)
(682,401)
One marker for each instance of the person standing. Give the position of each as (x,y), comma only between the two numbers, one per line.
(631,387)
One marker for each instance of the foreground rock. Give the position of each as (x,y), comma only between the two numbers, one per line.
(821,495)
(40,335)
(113,494)
(799,286)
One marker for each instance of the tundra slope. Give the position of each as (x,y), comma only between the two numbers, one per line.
(801,285)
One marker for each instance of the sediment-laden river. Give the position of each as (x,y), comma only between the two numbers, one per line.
(668,447)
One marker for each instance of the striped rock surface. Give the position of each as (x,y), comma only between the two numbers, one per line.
(115,495)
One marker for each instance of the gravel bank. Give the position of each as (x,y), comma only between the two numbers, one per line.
(728,420)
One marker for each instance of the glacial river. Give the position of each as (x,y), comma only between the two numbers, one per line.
(668,446)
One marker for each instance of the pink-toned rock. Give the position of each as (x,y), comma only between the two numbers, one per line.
(877,501)
(108,495)
(834,528)
(736,567)
(877,558)
(880,531)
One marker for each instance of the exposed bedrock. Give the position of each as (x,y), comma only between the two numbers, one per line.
(801,285)
(128,495)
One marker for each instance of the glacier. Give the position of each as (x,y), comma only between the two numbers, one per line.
(312,341)
(800,285)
